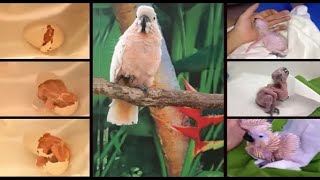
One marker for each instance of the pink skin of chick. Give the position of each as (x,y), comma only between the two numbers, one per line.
(277,91)
(273,41)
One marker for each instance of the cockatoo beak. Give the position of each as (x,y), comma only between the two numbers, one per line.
(144,19)
(248,138)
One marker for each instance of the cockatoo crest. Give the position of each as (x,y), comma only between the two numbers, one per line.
(261,124)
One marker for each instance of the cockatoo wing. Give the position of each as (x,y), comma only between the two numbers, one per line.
(288,147)
(117,57)
(120,112)
(273,143)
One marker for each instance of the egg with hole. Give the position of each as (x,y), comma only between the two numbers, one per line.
(53,154)
(55,95)
(44,36)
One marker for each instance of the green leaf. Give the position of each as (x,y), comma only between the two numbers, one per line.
(193,63)
(211,174)
(144,127)
(102,5)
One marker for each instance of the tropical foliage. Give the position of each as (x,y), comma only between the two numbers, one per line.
(194,37)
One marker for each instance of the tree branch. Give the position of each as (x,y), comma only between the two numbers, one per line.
(158,97)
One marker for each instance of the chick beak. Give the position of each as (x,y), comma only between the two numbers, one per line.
(144,19)
(248,138)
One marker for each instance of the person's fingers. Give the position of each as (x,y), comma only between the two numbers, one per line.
(277,15)
(277,21)
(274,11)
(257,16)
(279,28)
(250,11)
(267,12)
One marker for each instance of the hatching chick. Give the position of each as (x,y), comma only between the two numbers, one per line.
(266,146)
(276,91)
(273,41)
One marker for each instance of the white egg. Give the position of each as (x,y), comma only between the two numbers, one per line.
(44,36)
(30,141)
(66,111)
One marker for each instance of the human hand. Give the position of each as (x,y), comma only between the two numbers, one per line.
(245,26)
(244,30)
(234,133)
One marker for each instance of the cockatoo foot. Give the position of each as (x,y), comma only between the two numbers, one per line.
(274,111)
(279,54)
(143,88)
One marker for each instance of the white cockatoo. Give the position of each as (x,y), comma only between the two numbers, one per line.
(135,61)
(267,146)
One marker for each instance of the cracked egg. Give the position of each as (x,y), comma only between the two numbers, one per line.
(55,96)
(44,36)
(53,155)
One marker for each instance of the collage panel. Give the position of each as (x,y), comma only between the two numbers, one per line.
(272,89)
(281,88)
(45,147)
(273,147)
(45,111)
(45,88)
(279,31)
(45,30)
(175,136)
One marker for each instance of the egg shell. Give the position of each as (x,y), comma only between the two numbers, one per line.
(41,153)
(66,111)
(56,168)
(34,34)
(30,141)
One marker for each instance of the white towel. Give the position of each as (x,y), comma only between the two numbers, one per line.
(303,40)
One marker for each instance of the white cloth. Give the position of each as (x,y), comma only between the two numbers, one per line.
(73,19)
(19,88)
(303,40)
(308,131)
(242,90)
(18,160)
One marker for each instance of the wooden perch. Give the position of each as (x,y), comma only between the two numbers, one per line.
(158,97)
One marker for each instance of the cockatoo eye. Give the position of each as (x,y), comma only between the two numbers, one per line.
(260,136)
(154,18)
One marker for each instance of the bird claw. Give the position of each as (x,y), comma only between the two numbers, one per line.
(276,110)
(279,54)
(143,88)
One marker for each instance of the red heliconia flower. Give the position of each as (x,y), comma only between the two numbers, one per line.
(191,132)
(200,146)
(207,120)
(190,112)
(188,86)
(201,122)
